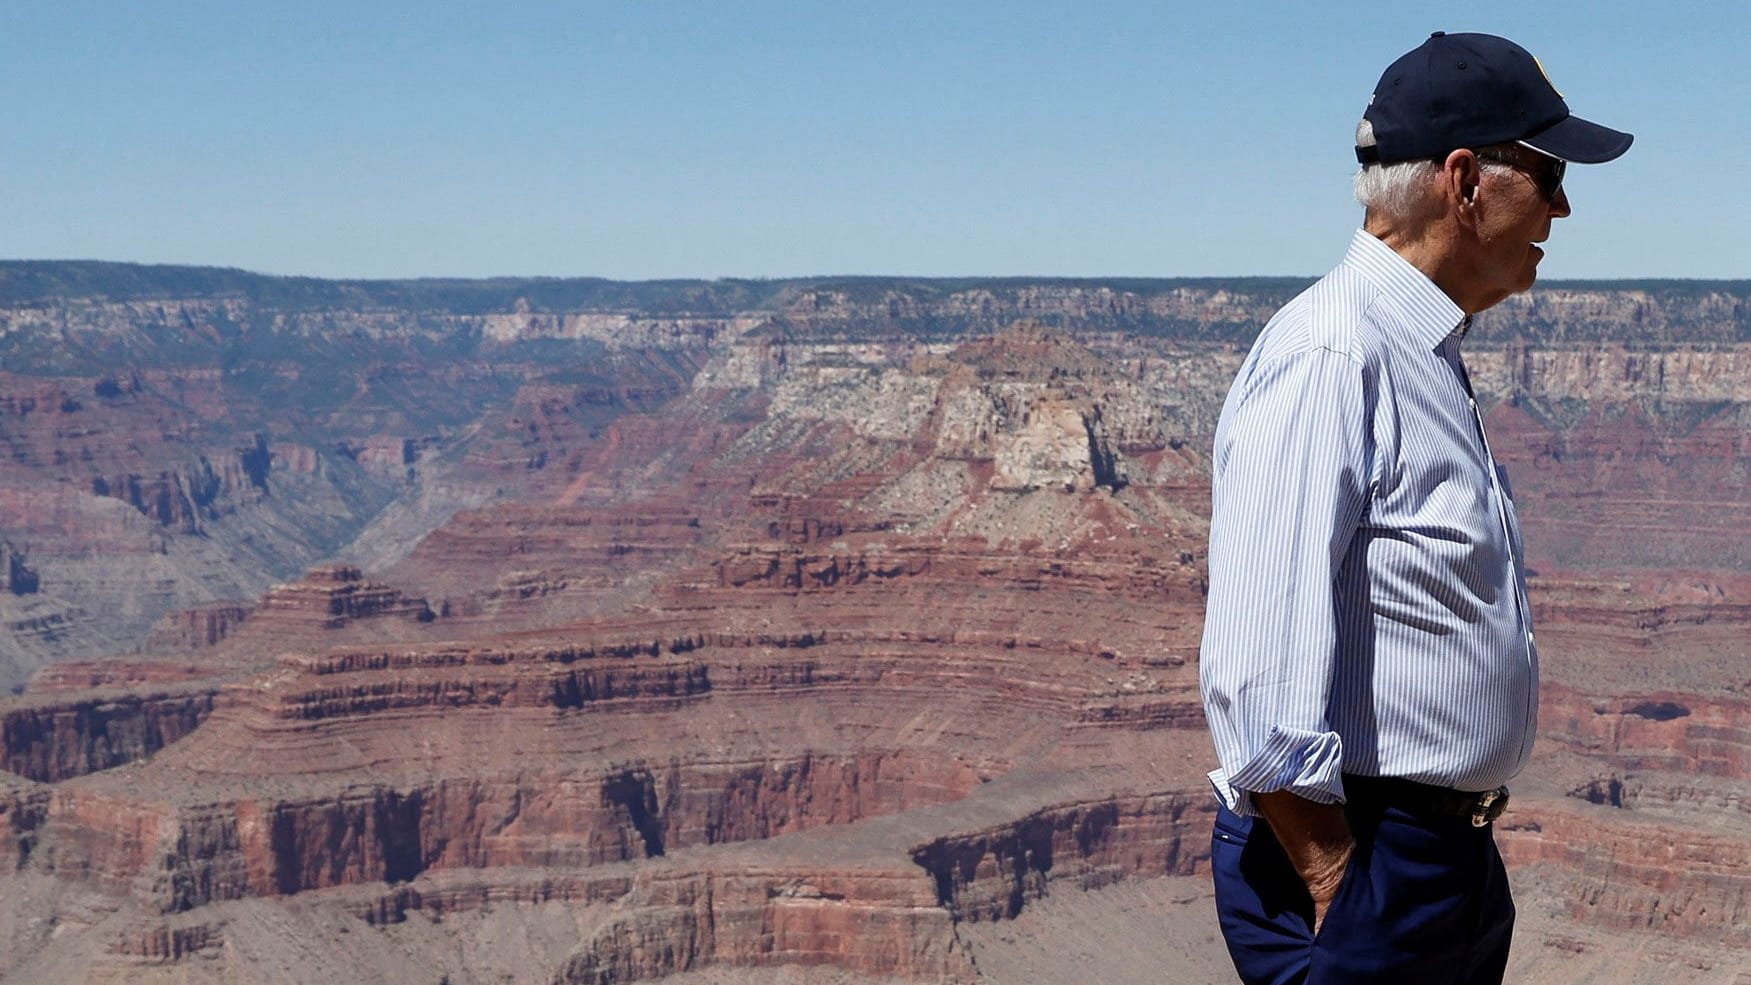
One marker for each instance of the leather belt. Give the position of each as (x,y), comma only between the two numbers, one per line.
(1421,798)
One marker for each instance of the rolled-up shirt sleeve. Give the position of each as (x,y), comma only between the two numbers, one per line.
(1290,482)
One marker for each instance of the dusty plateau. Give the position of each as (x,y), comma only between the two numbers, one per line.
(795,631)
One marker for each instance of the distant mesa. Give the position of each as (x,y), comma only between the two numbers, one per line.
(332,596)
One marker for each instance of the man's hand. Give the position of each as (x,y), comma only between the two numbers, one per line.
(1316,838)
(1323,875)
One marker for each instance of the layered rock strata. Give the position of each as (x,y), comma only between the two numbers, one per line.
(62,736)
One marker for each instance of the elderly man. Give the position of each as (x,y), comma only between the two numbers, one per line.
(1368,665)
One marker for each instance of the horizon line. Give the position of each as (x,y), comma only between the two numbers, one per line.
(780,278)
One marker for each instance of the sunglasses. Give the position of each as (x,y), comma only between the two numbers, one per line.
(1548,178)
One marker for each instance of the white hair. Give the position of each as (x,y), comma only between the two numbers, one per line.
(1394,190)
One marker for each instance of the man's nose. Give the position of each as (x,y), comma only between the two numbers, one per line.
(1559,206)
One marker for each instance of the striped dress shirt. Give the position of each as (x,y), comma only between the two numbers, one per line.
(1367,610)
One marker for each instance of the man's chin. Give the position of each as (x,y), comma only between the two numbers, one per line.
(1536,254)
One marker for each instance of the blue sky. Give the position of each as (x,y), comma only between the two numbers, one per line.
(658,138)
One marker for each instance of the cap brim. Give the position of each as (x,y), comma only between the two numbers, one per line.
(1580,141)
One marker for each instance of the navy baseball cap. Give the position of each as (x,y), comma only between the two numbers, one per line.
(1474,90)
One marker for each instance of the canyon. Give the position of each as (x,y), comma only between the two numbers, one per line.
(837,630)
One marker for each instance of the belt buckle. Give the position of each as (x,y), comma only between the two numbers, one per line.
(1490,805)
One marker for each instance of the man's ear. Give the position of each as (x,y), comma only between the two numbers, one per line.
(1461,174)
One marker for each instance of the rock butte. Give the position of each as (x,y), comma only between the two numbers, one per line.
(819,629)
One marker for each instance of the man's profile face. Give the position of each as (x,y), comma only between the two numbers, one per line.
(1513,217)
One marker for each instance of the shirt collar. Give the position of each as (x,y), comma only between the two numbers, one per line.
(1431,314)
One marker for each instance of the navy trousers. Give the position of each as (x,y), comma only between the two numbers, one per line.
(1424,902)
